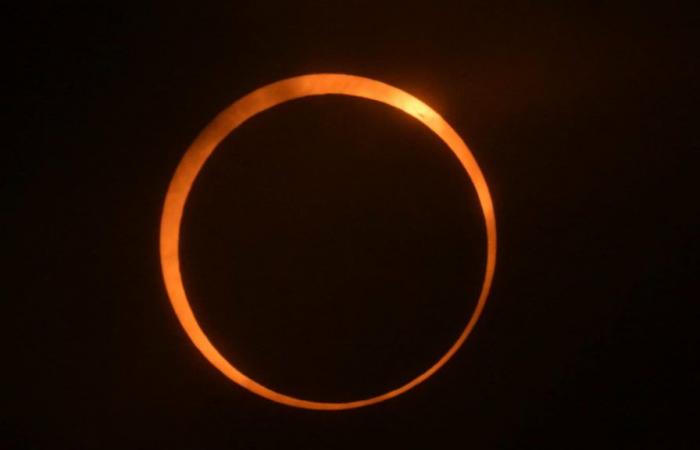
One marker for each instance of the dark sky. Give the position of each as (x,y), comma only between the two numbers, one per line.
(333,248)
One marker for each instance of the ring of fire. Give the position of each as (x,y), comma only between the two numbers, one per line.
(242,110)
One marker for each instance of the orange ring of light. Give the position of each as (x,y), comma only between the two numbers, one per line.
(242,110)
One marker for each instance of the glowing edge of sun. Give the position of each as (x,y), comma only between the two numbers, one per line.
(260,100)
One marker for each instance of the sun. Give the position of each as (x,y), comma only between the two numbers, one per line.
(232,117)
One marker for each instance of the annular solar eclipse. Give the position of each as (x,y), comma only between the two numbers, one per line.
(232,117)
